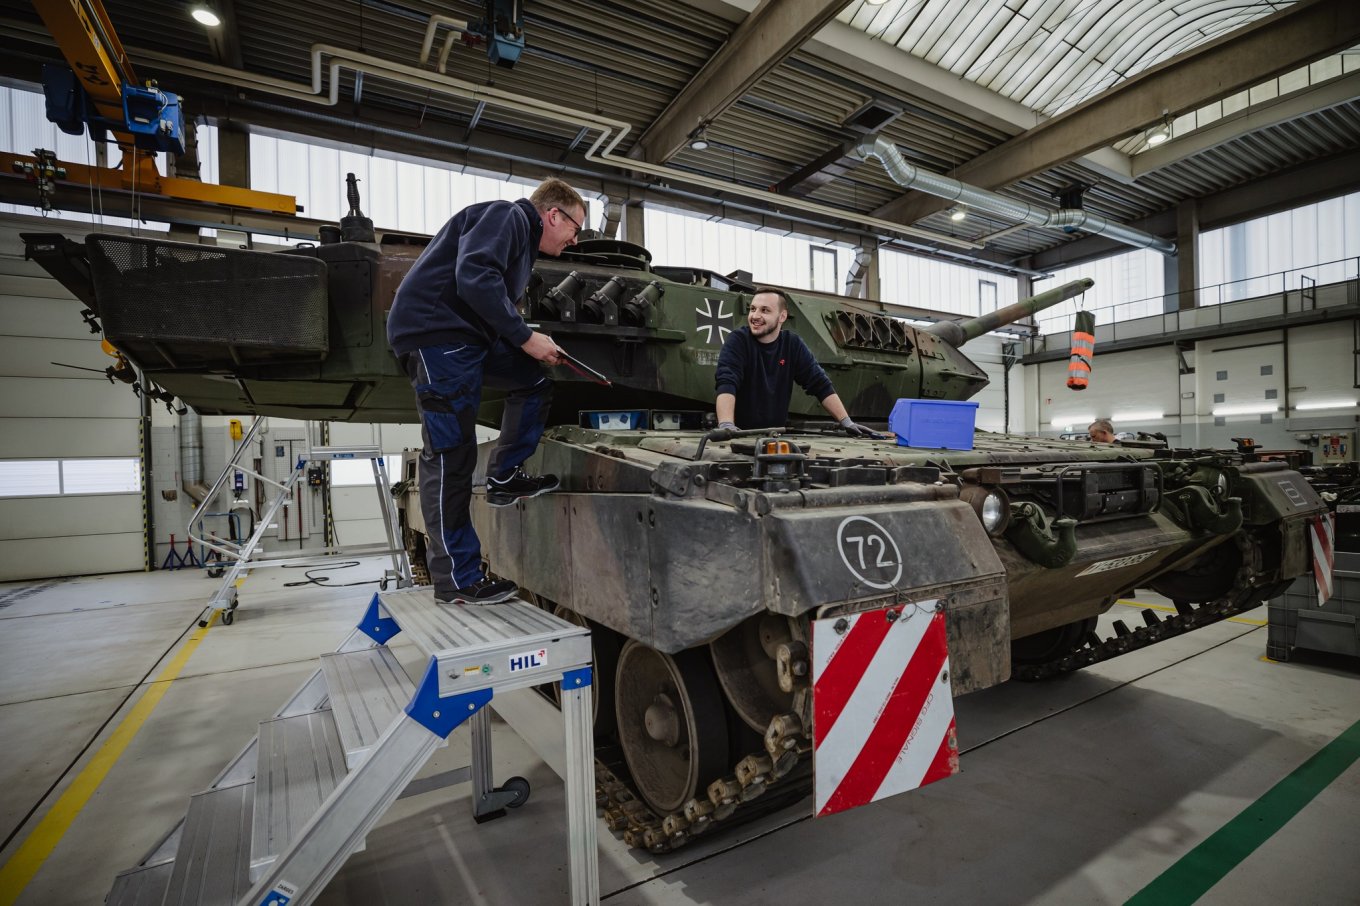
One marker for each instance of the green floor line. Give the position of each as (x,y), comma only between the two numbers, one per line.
(1207,864)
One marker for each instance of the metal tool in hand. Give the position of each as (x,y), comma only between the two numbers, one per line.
(582,368)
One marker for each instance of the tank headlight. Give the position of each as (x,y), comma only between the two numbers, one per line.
(992,506)
(994,512)
(1222,484)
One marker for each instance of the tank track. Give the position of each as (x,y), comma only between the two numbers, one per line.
(1125,640)
(1244,595)
(762,782)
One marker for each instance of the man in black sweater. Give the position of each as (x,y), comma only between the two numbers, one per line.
(758,366)
(455,329)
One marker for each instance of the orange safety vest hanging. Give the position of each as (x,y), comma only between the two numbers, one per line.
(1083,350)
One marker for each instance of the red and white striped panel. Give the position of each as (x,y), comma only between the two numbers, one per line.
(1321,532)
(883,713)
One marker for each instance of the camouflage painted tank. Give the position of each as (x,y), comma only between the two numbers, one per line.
(700,563)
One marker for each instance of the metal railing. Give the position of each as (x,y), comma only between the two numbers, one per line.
(1327,285)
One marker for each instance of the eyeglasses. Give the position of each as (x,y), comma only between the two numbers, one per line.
(574,221)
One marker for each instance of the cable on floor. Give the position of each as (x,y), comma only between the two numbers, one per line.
(326,580)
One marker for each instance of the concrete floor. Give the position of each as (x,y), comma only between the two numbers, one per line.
(1081,790)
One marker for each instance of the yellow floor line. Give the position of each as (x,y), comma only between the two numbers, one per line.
(25,863)
(1173,610)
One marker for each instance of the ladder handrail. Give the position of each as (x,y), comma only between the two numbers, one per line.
(255,428)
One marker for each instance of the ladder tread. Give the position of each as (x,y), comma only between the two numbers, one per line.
(368,689)
(300,763)
(142,886)
(210,864)
(436,628)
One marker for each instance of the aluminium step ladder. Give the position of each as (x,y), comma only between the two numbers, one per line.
(282,817)
(248,554)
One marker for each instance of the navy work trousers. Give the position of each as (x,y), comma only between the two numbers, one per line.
(448,381)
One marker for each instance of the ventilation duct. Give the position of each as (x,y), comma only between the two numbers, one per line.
(854,278)
(191,456)
(911,177)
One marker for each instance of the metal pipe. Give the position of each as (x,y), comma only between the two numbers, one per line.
(611,131)
(911,177)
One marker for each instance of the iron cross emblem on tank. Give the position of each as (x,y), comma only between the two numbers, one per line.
(714,321)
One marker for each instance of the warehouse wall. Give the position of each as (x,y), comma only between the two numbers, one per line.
(1312,364)
(48,412)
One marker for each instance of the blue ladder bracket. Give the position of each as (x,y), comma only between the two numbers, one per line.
(576,679)
(441,716)
(376,627)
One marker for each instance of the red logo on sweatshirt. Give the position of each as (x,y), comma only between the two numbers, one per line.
(781,361)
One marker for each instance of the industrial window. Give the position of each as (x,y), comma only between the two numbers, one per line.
(52,477)
(986,297)
(823,269)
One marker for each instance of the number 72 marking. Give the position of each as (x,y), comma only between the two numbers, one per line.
(868,550)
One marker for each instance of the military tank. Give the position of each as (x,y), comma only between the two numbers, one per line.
(700,561)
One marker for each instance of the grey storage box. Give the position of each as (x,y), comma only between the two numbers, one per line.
(1296,620)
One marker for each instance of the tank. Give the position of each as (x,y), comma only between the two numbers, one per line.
(699,561)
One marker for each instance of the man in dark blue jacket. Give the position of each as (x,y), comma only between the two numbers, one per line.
(759,365)
(455,329)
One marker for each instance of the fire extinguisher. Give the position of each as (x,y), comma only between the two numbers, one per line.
(1083,350)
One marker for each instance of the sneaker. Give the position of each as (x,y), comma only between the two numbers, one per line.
(518,485)
(485,590)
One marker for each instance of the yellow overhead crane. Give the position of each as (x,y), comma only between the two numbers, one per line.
(101,91)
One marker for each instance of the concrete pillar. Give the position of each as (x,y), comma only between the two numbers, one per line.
(1187,246)
(634,229)
(233,156)
(873,288)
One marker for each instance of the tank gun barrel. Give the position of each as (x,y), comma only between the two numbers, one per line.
(956,333)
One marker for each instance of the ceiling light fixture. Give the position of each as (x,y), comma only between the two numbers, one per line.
(698,140)
(876,2)
(1068,421)
(1321,404)
(1255,409)
(204,14)
(1148,415)
(1160,134)
(958,213)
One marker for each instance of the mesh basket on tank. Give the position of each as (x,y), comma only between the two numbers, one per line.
(179,305)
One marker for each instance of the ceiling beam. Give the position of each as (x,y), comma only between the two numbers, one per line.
(772,31)
(1268,47)
(225,41)
(1322,96)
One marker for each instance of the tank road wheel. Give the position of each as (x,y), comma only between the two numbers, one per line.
(672,725)
(604,654)
(1051,644)
(745,658)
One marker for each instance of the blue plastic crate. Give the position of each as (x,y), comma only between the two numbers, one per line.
(946,424)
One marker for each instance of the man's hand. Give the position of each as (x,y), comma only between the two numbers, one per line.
(724,431)
(849,427)
(541,347)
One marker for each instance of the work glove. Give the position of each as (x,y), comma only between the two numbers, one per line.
(849,427)
(724,431)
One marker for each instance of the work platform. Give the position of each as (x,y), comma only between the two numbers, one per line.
(283,816)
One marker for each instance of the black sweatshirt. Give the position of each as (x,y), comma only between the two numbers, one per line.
(463,287)
(761,376)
